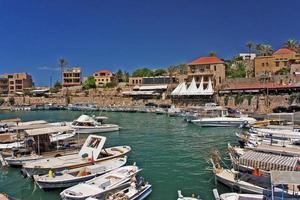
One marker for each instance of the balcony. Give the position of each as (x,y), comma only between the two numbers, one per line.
(200,72)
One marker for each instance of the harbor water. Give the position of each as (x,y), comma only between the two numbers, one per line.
(172,153)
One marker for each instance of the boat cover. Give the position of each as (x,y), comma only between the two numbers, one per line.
(268,162)
(285,177)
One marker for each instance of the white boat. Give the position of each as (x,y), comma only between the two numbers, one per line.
(224,121)
(237,196)
(101,184)
(87,124)
(132,192)
(51,134)
(181,197)
(91,152)
(68,178)
(221,118)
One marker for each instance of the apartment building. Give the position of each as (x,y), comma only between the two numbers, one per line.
(103,77)
(17,82)
(269,65)
(72,77)
(210,67)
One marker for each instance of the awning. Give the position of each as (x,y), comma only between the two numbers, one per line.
(140,93)
(285,177)
(48,130)
(151,87)
(28,127)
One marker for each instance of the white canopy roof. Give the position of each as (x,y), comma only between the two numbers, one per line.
(209,90)
(183,89)
(48,130)
(177,89)
(200,89)
(192,90)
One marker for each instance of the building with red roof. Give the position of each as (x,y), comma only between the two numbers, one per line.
(103,77)
(207,68)
(270,65)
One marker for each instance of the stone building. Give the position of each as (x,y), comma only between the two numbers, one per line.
(103,77)
(152,80)
(210,67)
(72,77)
(269,65)
(17,82)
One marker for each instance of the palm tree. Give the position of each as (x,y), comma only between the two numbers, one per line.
(62,62)
(292,44)
(250,45)
(264,49)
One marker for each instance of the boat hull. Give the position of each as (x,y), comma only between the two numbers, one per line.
(37,170)
(86,130)
(218,123)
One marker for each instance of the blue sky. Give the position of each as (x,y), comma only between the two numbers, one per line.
(127,34)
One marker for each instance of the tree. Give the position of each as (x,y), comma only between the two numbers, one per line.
(126,76)
(283,71)
(292,44)
(11,101)
(1,101)
(177,69)
(119,76)
(89,83)
(159,72)
(212,54)
(56,87)
(142,72)
(239,72)
(264,49)
(250,45)
(62,63)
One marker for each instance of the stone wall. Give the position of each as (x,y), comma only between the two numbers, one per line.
(254,103)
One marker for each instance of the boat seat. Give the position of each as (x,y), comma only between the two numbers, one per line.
(105,184)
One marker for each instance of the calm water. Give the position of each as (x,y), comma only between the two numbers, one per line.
(172,153)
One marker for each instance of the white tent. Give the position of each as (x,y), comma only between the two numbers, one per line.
(183,89)
(177,89)
(192,90)
(200,89)
(209,90)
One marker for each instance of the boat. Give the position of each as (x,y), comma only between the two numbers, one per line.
(136,191)
(217,116)
(87,124)
(68,178)
(45,137)
(254,183)
(101,184)
(237,196)
(181,197)
(174,112)
(90,153)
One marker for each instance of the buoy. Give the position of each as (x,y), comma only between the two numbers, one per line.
(50,173)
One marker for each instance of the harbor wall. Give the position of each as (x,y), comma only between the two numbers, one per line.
(254,103)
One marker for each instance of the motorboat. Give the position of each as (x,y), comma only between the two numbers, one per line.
(90,153)
(87,124)
(237,196)
(136,191)
(217,116)
(181,197)
(68,178)
(101,184)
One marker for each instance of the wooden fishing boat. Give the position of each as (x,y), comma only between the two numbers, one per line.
(101,184)
(68,178)
(49,139)
(257,184)
(91,152)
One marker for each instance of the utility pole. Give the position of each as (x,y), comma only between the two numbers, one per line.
(50,82)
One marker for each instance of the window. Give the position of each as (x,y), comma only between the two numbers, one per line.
(220,80)
(102,79)
(263,64)
(96,74)
(277,64)
(267,64)
(215,67)
(285,63)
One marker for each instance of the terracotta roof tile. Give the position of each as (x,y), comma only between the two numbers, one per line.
(207,60)
(283,51)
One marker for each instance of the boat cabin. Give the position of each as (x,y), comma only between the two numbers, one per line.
(84,120)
